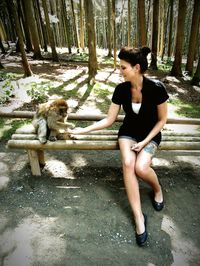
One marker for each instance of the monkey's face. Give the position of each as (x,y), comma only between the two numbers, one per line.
(63,111)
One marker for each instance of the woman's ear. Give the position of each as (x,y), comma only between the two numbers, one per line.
(137,67)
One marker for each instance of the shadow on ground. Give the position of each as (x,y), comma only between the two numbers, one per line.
(77,213)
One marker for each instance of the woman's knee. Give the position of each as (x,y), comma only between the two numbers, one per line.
(141,169)
(128,163)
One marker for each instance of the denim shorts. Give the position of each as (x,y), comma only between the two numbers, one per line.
(151,147)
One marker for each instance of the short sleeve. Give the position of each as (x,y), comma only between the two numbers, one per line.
(161,94)
(117,96)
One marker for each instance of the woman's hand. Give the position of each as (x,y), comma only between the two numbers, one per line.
(138,146)
(76,131)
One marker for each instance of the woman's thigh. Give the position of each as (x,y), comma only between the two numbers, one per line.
(128,156)
(144,157)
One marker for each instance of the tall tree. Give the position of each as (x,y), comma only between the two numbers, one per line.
(154,41)
(50,32)
(114,34)
(76,35)
(82,43)
(169,53)
(109,28)
(142,23)
(193,36)
(66,24)
(196,77)
(26,66)
(32,28)
(176,68)
(129,23)
(92,64)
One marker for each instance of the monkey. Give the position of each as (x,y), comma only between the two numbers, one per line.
(50,119)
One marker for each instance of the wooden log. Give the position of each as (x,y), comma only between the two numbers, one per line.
(91,137)
(92,145)
(24,136)
(89,117)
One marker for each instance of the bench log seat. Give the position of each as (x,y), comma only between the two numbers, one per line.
(25,138)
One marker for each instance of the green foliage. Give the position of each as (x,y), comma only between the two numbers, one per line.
(165,66)
(8,126)
(185,109)
(39,92)
(6,84)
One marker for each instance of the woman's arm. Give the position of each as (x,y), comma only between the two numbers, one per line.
(104,123)
(162,119)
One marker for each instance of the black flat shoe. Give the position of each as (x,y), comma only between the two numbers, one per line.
(142,238)
(158,206)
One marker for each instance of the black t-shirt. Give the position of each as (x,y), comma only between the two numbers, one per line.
(139,125)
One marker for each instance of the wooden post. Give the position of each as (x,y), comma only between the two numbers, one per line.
(34,162)
(41,157)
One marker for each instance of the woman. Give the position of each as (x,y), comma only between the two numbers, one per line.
(145,105)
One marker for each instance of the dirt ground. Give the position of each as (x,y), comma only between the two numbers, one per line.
(77,212)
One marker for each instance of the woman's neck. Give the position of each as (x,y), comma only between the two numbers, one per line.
(137,83)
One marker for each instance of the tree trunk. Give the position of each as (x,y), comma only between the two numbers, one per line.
(141,22)
(25,26)
(176,68)
(92,64)
(50,32)
(82,45)
(32,28)
(26,66)
(109,29)
(193,37)
(114,34)
(154,43)
(44,32)
(196,78)
(170,30)
(66,24)
(76,35)
(129,23)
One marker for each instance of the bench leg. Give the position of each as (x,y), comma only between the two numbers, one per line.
(34,162)
(41,157)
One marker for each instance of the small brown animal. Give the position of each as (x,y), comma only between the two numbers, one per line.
(50,119)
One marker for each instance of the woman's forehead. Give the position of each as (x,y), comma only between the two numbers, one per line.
(124,63)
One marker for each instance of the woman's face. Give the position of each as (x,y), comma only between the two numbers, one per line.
(126,70)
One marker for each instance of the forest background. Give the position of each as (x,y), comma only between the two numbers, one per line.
(81,39)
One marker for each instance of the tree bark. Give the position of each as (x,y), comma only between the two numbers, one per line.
(169,53)
(50,32)
(196,78)
(154,42)
(176,68)
(92,64)
(32,28)
(141,22)
(193,37)
(114,34)
(26,66)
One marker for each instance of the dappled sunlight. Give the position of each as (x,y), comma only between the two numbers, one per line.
(4,180)
(58,169)
(20,163)
(31,239)
(183,249)
(161,162)
(69,74)
(78,160)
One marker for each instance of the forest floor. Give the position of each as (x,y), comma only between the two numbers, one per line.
(77,212)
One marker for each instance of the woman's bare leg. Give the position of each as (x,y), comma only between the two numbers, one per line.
(131,182)
(146,173)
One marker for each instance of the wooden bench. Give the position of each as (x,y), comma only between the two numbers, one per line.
(25,138)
